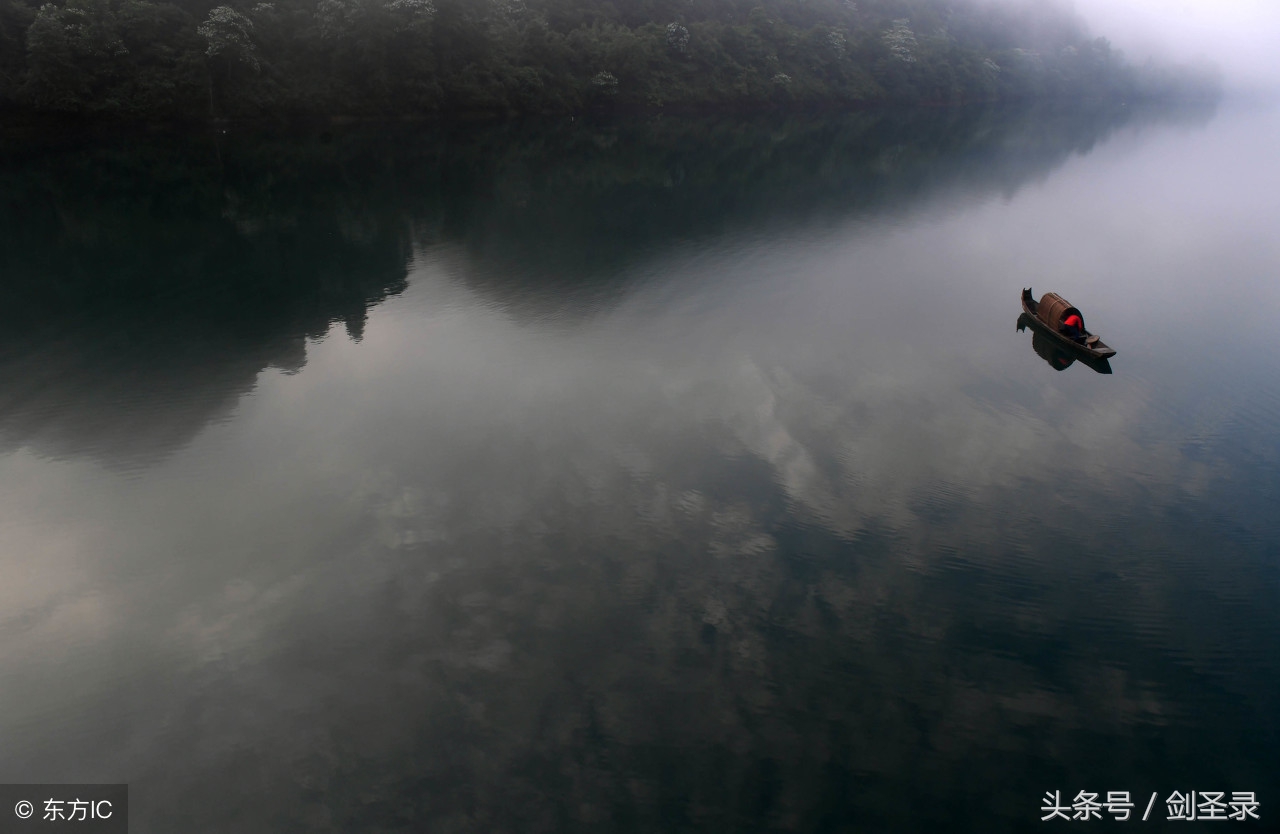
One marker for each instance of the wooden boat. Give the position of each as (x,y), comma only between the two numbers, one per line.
(1051,350)
(1047,315)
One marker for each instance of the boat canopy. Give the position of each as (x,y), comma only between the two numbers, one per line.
(1053,308)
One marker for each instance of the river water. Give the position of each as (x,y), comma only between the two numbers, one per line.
(659,475)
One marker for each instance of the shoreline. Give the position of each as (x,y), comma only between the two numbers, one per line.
(24,123)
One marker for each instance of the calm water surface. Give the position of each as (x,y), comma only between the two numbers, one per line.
(658,476)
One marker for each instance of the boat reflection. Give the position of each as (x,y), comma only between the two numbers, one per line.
(1054,354)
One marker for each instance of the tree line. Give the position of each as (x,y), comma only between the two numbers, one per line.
(192,59)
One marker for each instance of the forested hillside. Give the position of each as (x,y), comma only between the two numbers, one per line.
(192,59)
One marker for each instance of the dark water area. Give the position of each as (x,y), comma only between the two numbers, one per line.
(658,475)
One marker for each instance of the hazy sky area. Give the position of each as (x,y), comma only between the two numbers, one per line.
(1241,36)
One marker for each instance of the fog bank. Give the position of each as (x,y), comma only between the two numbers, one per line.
(1238,35)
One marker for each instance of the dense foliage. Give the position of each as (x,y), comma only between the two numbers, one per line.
(191,58)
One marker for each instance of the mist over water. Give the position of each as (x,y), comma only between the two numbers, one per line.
(656,475)
(1237,36)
